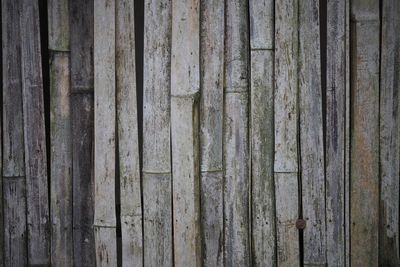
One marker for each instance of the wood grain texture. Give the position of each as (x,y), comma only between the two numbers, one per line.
(347,137)
(261,24)
(311,136)
(128,143)
(157,191)
(236,136)
(364,133)
(335,132)
(389,135)
(12,165)
(104,134)
(81,46)
(212,25)
(38,224)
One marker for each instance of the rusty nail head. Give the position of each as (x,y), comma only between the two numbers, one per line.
(300,224)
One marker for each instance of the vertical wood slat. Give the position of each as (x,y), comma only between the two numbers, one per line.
(81,46)
(389,135)
(13,165)
(104,134)
(311,136)
(211,134)
(38,225)
(236,134)
(128,146)
(365,133)
(262,133)
(185,88)
(286,133)
(335,132)
(60,135)
(157,194)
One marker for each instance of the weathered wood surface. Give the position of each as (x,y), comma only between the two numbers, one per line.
(286,132)
(60,135)
(13,165)
(157,184)
(81,46)
(104,135)
(128,143)
(311,136)
(185,88)
(263,237)
(364,133)
(212,25)
(236,136)
(389,135)
(335,132)
(38,223)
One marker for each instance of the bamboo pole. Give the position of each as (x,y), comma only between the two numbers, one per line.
(364,186)
(185,88)
(60,135)
(286,132)
(128,146)
(81,46)
(311,135)
(236,142)
(211,134)
(13,165)
(157,194)
(262,133)
(38,224)
(389,135)
(336,133)
(104,135)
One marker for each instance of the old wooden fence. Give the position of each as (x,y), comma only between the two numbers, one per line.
(200,132)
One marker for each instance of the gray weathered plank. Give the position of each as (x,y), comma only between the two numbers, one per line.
(157,194)
(311,136)
(104,133)
(335,132)
(38,224)
(364,186)
(347,137)
(286,132)
(389,135)
(81,46)
(261,24)
(128,145)
(13,166)
(236,133)
(211,112)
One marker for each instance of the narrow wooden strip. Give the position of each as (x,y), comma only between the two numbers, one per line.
(104,134)
(261,24)
(311,136)
(389,135)
(128,146)
(211,114)
(58,21)
(157,202)
(335,132)
(262,159)
(365,134)
(34,137)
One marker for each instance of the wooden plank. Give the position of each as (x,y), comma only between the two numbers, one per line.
(34,137)
(104,134)
(212,24)
(347,137)
(286,132)
(60,135)
(335,132)
(389,135)
(311,136)
(157,194)
(261,24)
(13,165)
(262,159)
(128,146)
(236,133)
(185,88)
(364,133)
(81,45)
